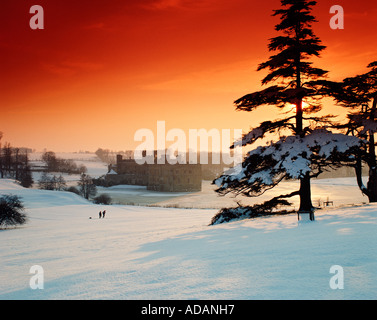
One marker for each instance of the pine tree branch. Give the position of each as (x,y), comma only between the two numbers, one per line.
(285,196)
(264,128)
(323,119)
(274,95)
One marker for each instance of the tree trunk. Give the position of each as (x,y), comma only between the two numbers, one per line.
(372,163)
(305,197)
(359,177)
(372,185)
(305,189)
(299,114)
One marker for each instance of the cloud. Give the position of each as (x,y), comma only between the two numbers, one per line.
(231,77)
(69,67)
(178,4)
(166,4)
(95,26)
(369,15)
(100,26)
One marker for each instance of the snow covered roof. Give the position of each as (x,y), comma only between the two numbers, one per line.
(112,172)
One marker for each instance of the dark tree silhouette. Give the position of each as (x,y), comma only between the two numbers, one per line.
(14,163)
(102,199)
(26,177)
(87,187)
(1,158)
(11,211)
(295,81)
(49,157)
(359,95)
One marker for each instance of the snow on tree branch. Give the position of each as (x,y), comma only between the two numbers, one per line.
(291,157)
(368,125)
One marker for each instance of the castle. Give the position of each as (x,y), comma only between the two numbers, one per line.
(157,177)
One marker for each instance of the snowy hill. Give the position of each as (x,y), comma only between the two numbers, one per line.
(159,253)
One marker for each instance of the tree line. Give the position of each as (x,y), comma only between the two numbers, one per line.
(86,187)
(55,164)
(14,164)
(109,156)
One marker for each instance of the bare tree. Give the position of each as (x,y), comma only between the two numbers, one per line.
(60,183)
(87,187)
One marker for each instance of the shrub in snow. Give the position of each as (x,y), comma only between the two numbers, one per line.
(73,190)
(11,211)
(102,199)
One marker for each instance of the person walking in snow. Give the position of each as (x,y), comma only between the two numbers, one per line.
(103,213)
(100,214)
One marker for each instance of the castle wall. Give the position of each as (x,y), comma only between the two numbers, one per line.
(174,178)
(157,177)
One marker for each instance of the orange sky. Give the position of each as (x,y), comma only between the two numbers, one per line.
(101,70)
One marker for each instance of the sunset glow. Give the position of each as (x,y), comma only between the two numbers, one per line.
(101,70)
(292,107)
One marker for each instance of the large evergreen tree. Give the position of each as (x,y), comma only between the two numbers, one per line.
(294,81)
(359,95)
(291,65)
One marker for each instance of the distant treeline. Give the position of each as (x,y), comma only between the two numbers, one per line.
(55,164)
(109,156)
(14,164)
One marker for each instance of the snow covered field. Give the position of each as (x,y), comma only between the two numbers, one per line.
(169,253)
